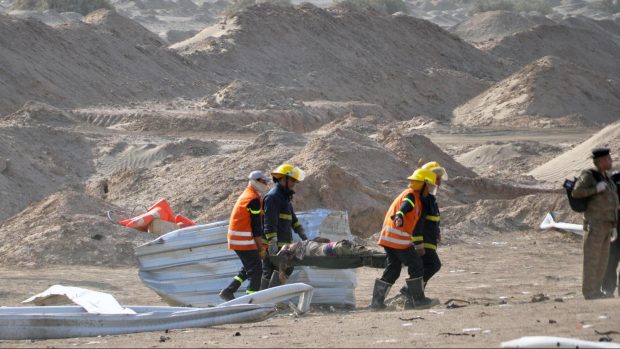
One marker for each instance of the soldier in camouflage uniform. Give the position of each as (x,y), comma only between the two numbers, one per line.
(600,219)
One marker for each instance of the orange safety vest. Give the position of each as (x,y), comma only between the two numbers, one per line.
(240,236)
(395,237)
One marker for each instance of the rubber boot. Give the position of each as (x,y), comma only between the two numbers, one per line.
(264,283)
(275,280)
(416,298)
(405,291)
(228,294)
(379,293)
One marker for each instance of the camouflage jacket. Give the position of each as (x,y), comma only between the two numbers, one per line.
(601,206)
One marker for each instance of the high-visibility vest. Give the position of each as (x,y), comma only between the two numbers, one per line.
(395,237)
(240,236)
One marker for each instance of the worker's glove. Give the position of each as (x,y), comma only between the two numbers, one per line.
(272,249)
(299,230)
(398,220)
(419,249)
(614,235)
(601,186)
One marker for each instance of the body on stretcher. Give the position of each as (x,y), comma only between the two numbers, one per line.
(322,253)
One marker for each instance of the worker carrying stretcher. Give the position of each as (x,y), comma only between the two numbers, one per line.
(403,245)
(280,219)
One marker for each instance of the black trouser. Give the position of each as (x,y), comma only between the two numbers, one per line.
(431,262)
(612,279)
(396,259)
(252,268)
(269,267)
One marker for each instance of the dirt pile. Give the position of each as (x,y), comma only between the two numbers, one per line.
(494,25)
(203,186)
(417,149)
(547,92)
(572,162)
(39,159)
(67,228)
(161,16)
(604,27)
(109,59)
(588,49)
(521,213)
(344,54)
(197,116)
(507,158)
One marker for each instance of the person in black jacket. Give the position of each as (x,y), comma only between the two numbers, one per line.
(280,220)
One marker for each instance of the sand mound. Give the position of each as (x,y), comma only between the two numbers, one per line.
(342,53)
(494,25)
(37,161)
(194,116)
(202,187)
(547,89)
(585,48)
(36,113)
(571,163)
(67,228)
(347,170)
(416,150)
(143,153)
(502,159)
(124,61)
(602,27)
(121,27)
(520,213)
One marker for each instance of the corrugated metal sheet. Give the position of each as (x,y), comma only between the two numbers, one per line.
(73,321)
(190,266)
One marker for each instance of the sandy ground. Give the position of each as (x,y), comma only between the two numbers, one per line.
(498,274)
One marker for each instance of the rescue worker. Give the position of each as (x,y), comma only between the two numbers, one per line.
(244,235)
(611,281)
(600,220)
(402,246)
(280,220)
(429,225)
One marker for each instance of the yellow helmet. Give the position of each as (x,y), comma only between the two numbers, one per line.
(289,170)
(423,175)
(435,167)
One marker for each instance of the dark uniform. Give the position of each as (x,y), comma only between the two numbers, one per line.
(279,222)
(429,225)
(428,229)
(612,279)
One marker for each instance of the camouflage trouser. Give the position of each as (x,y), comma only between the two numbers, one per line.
(595,256)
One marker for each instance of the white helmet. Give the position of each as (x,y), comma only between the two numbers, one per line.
(256,175)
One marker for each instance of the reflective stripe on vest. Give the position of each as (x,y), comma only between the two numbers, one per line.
(240,235)
(396,231)
(400,237)
(432,218)
(398,243)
